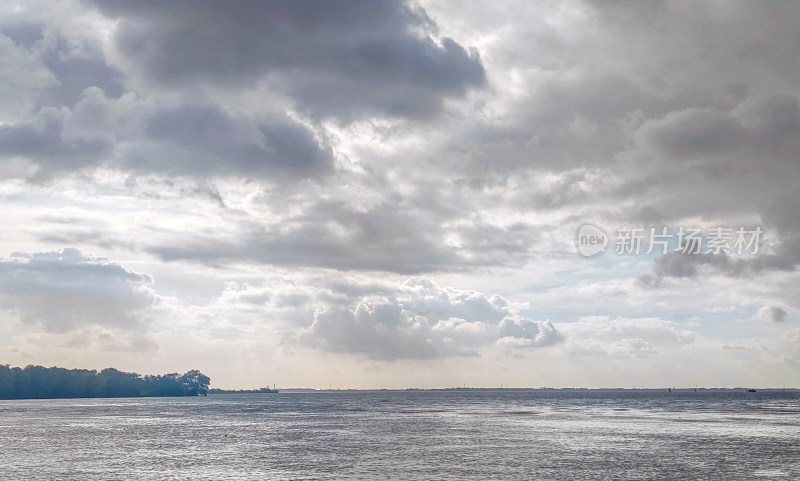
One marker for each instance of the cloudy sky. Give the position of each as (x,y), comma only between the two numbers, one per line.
(388,194)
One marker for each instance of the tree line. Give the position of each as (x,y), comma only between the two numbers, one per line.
(37,382)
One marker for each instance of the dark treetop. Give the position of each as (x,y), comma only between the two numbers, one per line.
(37,382)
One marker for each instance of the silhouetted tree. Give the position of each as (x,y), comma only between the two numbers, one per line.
(195,383)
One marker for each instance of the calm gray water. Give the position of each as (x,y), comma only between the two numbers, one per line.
(413,435)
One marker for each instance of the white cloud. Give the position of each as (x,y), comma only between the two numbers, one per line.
(418,320)
(67,289)
(627,337)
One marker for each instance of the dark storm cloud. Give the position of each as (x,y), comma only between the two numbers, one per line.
(206,140)
(201,141)
(339,59)
(46,141)
(76,63)
(66,289)
(596,81)
(686,265)
(722,163)
(685,110)
(348,60)
(761,125)
(22,33)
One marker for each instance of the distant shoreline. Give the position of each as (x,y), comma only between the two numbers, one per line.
(263,390)
(311,391)
(537,389)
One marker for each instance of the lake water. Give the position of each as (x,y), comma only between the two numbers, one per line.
(409,435)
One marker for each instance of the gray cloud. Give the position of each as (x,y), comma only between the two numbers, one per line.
(772,314)
(342,60)
(527,333)
(759,129)
(381,239)
(394,237)
(64,290)
(201,141)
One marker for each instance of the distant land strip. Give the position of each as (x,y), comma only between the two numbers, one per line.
(263,390)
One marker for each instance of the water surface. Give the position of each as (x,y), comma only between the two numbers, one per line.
(408,435)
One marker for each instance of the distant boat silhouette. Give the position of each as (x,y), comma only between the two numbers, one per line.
(751,390)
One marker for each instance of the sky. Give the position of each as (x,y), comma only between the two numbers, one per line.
(361,194)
